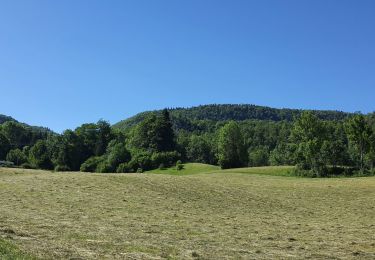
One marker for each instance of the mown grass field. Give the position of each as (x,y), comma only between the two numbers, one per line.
(232,214)
(189,169)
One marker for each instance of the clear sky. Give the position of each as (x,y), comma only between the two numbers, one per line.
(63,63)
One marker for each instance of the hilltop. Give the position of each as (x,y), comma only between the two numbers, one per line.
(182,118)
(5,118)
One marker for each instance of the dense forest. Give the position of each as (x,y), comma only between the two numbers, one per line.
(319,143)
(188,118)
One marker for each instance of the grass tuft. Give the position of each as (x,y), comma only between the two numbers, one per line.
(9,251)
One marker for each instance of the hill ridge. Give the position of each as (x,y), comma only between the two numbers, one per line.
(236,112)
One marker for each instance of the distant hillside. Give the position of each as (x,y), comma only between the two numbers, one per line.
(181,117)
(4,118)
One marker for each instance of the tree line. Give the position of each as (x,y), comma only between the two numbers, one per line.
(316,146)
(190,118)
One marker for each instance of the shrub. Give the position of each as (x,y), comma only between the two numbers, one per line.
(259,157)
(62,168)
(327,172)
(139,170)
(340,171)
(104,167)
(117,154)
(303,173)
(91,164)
(39,156)
(124,168)
(27,166)
(16,156)
(166,158)
(179,165)
(142,160)
(6,164)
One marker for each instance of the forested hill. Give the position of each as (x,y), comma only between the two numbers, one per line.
(4,118)
(181,117)
(20,134)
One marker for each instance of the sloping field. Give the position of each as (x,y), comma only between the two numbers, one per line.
(189,168)
(227,215)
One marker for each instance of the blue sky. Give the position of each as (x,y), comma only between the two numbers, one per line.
(64,63)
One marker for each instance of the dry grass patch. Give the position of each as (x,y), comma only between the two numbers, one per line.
(203,216)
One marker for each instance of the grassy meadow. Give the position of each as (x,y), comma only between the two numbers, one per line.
(201,212)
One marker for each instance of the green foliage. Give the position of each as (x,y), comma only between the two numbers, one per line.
(194,118)
(261,136)
(188,169)
(27,166)
(179,165)
(9,251)
(200,149)
(4,118)
(91,164)
(16,156)
(370,157)
(69,151)
(20,135)
(6,164)
(359,134)
(165,158)
(62,168)
(309,133)
(4,146)
(334,148)
(39,156)
(104,167)
(117,154)
(259,157)
(141,159)
(231,148)
(125,168)
(16,133)
(154,134)
(283,154)
(73,148)
(104,136)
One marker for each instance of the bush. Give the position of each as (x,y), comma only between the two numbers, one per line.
(362,173)
(39,156)
(27,166)
(142,160)
(166,158)
(340,171)
(259,157)
(124,168)
(179,165)
(104,167)
(328,172)
(62,168)
(91,164)
(139,170)
(303,173)
(6,164)
(16,156)
(117,154)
